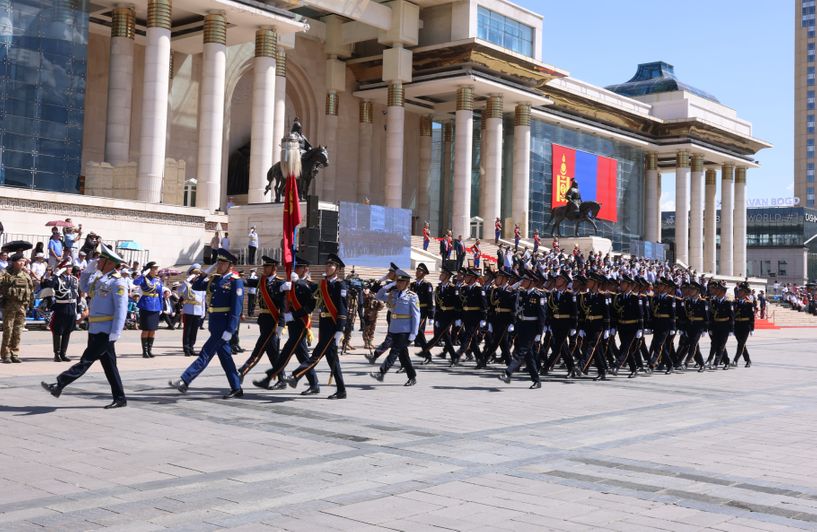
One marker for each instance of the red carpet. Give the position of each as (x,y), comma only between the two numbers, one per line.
(764,324)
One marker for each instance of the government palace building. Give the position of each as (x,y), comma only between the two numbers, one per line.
(144,120)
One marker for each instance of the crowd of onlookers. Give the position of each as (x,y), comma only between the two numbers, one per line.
(801,298)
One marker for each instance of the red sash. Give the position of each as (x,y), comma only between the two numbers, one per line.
(273,310)
(327,300)
(296,306)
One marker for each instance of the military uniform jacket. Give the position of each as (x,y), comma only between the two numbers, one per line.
(152,289)
(594,311)
(723,314)
(562,309)
(270,297)
(225,300)
(696,313)
(447,299)
(628,311)
(66,293)
(531,310)
(192,300)
(333,302)
(503,302)
(648,310)
(425,295)
(663,311)
(302,300)
(474,302)
(109,301)
(744,314)
(16,288)
(405,309)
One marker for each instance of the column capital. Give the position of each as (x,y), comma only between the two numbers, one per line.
(215,28)
(652,161)
(711,176)
(159,14)
(123,22)
(682,159)
(365,112)
(521,115)
(465,98)
(396,97)
(728,171)
(697,162)
(740,174)
(448,131)
(266,42)
(281,62)
(494,108)
(425,126)
(332,103)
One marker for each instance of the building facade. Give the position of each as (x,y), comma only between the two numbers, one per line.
(804,101)
(444,107)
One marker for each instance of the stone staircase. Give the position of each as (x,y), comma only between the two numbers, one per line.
(783,316)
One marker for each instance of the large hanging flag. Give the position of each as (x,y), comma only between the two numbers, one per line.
(596,176)
(292,205)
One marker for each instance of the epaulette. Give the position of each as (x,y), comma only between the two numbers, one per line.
(116,275)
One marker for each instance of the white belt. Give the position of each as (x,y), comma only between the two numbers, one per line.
(528,318)
(64,301)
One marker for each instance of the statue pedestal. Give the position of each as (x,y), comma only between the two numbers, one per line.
(586,244)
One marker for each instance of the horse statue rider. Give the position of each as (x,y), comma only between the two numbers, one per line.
(575,210)
(573,197)
(312,160)
(298,131)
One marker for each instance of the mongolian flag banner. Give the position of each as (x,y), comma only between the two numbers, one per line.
(292,219)
(596,176)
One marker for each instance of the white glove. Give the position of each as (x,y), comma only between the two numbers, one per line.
(113,337)
(191,277)
(412,337)
(582,334)
(209,269)
(537,338)
(572,332)
(751,333)
(613,331)
(458,323)
(286,287)
(436,323)
(227,336)
(606,334)
(673,333)
(280,330)
(294,277)
(338,336)
(287,317)
(384,278)
(639,334)
(510,327)
(482,323)
(490,327)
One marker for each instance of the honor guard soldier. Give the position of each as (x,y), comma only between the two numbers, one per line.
(722,323)
(150,305)
(193,302)
(406,318)
(270,303)
(563,317)
(297,306)
(446,299)
(225,298)
(64,311)
(530,309)
(594,319)
(628,320)
(108,309)
(502,301)
(696,321)
(425,295)
(744,322)
(663,325)
(474,306)
(332,296)
(17,288)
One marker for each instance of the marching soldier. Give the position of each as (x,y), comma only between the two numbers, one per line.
(332,293)
(406,318)
(721,324)
(270,302)
(425,295)
(529,323)
(192,310)
(108,309)
(696,321)
(628,320)
(474,306)
(502,301)
(150,305)
(594,312)
(225,297)
(563,317)
(446,298)
(17,288)
(64,311)
(663,325)
(744,322)
(386,343)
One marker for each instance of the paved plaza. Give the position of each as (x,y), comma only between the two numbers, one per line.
(725,450)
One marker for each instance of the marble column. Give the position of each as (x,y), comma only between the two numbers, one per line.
(331,139)
(520,200)
(120,86)
(395,124)
(279,127)
(262,143)
(651,199)
(657,217)
(211,112)
(681,207)
(155,99)
(463,154)
(364,152)
(739,246)
(710,221)
(424,181)
(492,207)
(696,214)
(727,208)
(446,201)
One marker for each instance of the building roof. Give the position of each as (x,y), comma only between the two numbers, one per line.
(653,78)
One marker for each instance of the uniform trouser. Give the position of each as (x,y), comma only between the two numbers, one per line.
(501,338)
(470,340)
(251,256)
(442,333)
(720,335)
(251,299)
(659,348)
(543,348)
(214,345)
(399,348)
(63,321)
(592,347)
(561,348)
(99,348)
(295,345)
(267,343)
(691,346)
(327,347)
(421,341)
(190,331)
(384,346)
(14,319)
(524,352)
(629,343)
(742,335)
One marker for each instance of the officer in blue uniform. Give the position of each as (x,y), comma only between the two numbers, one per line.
(108,310)
(150,305)
(225,296)
(405,322)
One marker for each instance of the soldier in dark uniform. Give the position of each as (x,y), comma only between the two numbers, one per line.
(502,301)
(529,322)
(425,294)
(663,325)
(64,315)
(744,322)
(696,321)
(332,297)
(721,324)
(594,324)
(563,320)
(270,303)
(474,307)
(609,345)
(628,320)
(645,292)
(446,298)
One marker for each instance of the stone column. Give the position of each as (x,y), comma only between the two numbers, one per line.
(657,218)
(279,127)
(492,207)
(651,199)
(681,208)
(424,180)
(211,112)
(262,143)
(521,167)
(331,136)
(696,214)
(710,221)
(154,102)
(395,123)
(727,208)
(364,152)
(120,86)
(446,201)
(739,246)
(463,154)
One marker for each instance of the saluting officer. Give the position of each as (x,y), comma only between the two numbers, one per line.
(425,295)
(446,298)
(108,309)
(225,296)
(332,295)
(64,315)
(386,343)
(270,303)
(150,305)
(744,322)
(721,324)
(406,317)
(529,322)
(192,310)
(474,306)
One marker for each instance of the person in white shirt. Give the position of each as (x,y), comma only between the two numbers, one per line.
(252,246)
(81,261)
(38,267)
(225,241)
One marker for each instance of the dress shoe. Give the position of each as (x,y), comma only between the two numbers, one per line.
(6,361)
(441,355)
(748,364)
(53,389)
(410,382)
(726,366)
(15,360)
(119,403)
(668,371)
(263,384)
(291,381)
(426,360)
(281,384)
(632,375)
(57,358)
(535,386)
(65,358)
(311,391)
(600,377)
(400,370)
(480,365)
(179,384)
(370,357)
(735,363)
(337,395)
(504,377)
(145,355)
(701,369)
(377,375)
(234,394)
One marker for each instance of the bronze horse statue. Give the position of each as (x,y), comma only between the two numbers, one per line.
(311,161)
(588,211)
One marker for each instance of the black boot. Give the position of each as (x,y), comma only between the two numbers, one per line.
(150,347)
(56,341)
(64,347)
(145,348)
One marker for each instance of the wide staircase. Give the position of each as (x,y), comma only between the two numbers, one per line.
(784,316)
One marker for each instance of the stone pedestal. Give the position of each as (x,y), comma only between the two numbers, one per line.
(586,244)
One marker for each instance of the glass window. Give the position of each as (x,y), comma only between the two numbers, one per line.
(810,124)
(504,31)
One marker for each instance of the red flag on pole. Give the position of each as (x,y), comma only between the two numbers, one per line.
(292,219)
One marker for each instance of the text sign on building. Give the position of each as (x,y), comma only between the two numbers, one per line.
(595,175)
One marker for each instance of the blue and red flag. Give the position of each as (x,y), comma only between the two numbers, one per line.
(292,219)
(596,176)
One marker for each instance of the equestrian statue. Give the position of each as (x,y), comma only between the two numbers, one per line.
(576,210)
(312,160)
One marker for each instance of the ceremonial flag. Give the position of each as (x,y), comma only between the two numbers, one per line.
(596,176)
(292,219)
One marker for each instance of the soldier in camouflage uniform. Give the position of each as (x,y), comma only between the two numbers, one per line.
(371,308)
(16,288)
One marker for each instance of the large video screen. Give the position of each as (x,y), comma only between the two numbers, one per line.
(374,236)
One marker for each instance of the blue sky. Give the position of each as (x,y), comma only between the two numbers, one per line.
(741,51)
